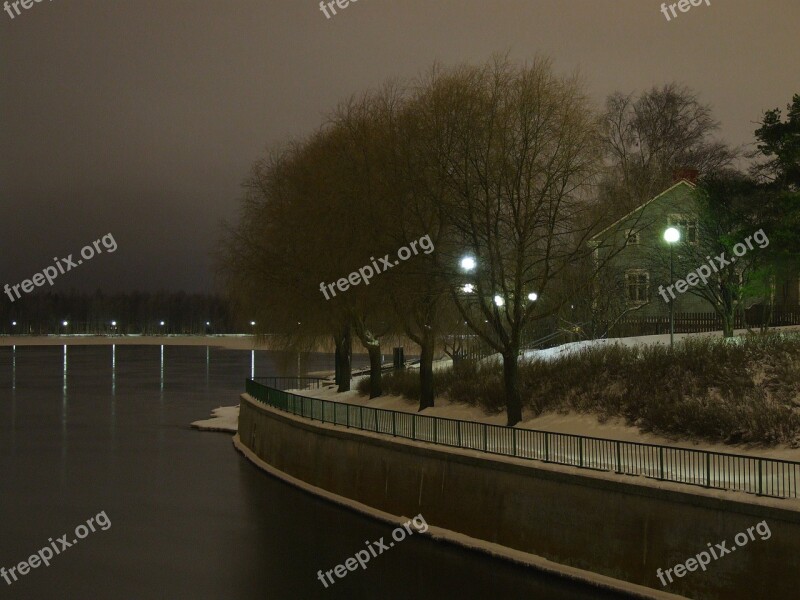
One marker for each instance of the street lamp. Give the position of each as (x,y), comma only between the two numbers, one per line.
(499,300)
(672,236)
(533,296)
(468,288)
(468,263)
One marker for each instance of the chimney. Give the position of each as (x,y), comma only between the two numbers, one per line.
(687,173)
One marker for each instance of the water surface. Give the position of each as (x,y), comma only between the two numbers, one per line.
(94,429)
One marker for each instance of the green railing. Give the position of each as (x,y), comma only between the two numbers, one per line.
(752,474)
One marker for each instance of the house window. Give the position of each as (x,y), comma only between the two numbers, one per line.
(686,225)
(637,286)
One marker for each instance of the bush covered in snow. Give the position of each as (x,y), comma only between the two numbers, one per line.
(744,389)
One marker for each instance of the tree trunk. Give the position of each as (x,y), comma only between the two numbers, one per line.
(511,380)
(426,394)
(375,364)
(344,359)
(373,347)
(727,325)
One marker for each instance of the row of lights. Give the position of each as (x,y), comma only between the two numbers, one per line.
(114,323)
(468,263)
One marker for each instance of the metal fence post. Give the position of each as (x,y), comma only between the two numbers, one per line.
(546,447)
(459,434)
(661,462)
(485,444)
(760,477)
(708,469)
(619,460)
(581,454)
(413,427)
(514,440)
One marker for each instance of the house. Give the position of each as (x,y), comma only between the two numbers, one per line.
(638,260)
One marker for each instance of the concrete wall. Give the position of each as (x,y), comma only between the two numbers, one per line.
(618,526)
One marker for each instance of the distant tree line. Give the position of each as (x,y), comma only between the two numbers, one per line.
(123,313)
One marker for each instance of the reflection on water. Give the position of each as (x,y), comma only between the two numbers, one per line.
(113,371)
(190,517)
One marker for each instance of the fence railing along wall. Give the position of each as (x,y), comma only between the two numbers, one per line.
(734,472)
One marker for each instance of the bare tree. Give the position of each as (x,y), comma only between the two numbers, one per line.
(650,136)
(526,153)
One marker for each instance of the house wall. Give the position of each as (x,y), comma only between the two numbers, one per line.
(652,252)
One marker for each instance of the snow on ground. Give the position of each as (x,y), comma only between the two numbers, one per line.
(224,418)
(571,423)
(645,340)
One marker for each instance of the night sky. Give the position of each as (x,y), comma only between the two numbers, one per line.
(141,118)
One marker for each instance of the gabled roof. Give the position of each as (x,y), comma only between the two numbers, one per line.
(635,210)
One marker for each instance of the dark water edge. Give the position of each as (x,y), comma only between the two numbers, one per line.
(107,430)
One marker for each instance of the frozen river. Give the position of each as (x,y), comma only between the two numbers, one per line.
(91,430)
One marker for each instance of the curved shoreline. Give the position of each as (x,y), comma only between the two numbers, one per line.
(543,565)
(600,525)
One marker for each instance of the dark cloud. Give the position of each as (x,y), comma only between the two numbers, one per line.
(141,118)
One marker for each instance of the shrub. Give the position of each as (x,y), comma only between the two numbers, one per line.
(743,389)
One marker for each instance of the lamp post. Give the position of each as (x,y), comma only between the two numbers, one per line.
(672,236)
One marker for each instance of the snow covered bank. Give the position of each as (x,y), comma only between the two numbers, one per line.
(224,418)
(644,340)
(571,423)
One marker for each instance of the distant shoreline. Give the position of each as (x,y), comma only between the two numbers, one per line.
(231,342)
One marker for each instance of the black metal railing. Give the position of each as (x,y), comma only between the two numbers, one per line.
(752,474)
